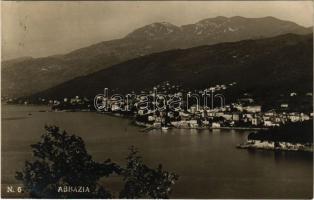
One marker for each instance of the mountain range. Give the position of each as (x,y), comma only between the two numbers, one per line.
(26,76)
(264,67)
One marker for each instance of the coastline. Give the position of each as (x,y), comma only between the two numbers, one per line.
(151,127)
(278,146)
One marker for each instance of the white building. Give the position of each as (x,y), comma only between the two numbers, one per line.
(253,109)
(270,124)
(151,118)
(284,105)
(193,123)
(215,125)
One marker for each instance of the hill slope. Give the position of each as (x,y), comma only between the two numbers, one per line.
(263,67)
(27,76)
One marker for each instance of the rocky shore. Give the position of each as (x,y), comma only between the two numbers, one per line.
(271,145)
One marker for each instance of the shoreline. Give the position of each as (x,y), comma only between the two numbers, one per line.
(151,127)
(140,124)
(271,146)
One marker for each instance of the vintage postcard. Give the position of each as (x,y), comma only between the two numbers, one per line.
(157,99)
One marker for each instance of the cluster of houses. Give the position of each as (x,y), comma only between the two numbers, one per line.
(234,115)
(243,113)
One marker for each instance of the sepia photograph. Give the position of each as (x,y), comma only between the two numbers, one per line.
(157,99)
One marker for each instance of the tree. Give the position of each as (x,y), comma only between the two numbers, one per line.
(62,160)
(142,181)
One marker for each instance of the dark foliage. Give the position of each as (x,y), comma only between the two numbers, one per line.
(62,160)
(144,182)
(301,132)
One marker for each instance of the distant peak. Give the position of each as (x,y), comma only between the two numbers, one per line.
(270,17)
(237,17)
(154,30)
(166,24)
(209,26)
(214,19)
(220,17)
(258,18)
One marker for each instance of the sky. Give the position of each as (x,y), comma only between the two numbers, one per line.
(46,28)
